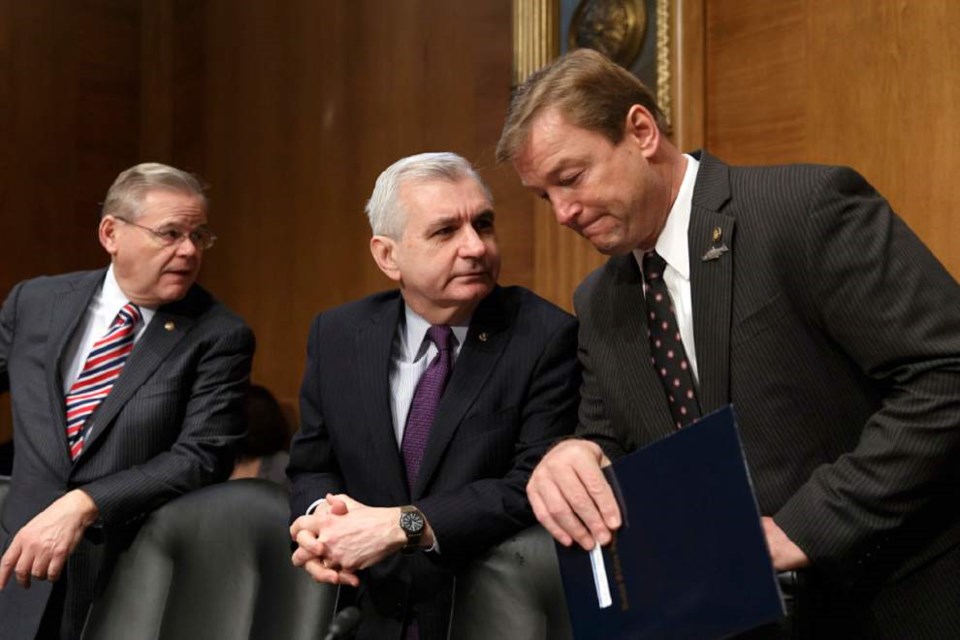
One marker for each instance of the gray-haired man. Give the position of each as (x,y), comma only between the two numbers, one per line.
(126,385)
(424,409)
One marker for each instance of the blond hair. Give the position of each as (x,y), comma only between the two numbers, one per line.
(589,90)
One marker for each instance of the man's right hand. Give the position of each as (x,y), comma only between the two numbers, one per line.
(40,549)
(571,497)
(311,553)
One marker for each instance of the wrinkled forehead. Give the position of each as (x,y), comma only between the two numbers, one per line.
(427,200)
(161,204)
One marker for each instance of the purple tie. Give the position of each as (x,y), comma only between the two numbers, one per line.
(426,399)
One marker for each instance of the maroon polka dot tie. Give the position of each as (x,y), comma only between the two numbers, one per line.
(666,348)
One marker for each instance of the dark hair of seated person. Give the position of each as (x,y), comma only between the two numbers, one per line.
(268,430)
(263,453)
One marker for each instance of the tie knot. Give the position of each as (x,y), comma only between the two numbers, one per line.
(442,336)
(128,315)
(653,265)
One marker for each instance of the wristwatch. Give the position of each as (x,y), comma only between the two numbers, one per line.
(412,524)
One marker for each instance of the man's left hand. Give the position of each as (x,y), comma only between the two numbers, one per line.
(40,549)
(785,554)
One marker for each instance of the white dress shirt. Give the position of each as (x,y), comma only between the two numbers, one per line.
(673,247)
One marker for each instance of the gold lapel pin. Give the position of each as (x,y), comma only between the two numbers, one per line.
(717,235)
(483,336)
(169,326)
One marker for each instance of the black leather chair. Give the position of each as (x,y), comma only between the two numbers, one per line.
(512,591)
(213,564)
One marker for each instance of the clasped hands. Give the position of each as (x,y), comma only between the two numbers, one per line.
(343,536)
(573,501)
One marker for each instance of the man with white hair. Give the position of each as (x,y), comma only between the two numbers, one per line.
(126,386)
(424,409)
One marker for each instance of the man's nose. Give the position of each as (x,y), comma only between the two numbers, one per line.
(472,245)
(565,210)
(187,247)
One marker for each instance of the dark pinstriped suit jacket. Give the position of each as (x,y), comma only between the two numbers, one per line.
(166,428)
(513,390)
(836,334)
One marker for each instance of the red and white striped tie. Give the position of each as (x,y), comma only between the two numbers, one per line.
(99,372)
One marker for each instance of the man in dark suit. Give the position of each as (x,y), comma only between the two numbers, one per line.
(793,292)
(126,386)
(425,409)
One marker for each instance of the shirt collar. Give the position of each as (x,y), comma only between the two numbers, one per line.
(415,330)
(112,298)
(672,244)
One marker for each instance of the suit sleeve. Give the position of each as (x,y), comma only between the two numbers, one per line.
(880,295)
(202,452)
(313,468)
(594,423)
(8,323)
(486,511)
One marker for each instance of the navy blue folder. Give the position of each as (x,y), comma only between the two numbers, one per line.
(690,560)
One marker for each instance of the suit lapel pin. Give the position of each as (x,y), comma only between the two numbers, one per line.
(169,326)
(482,336)
(718,248)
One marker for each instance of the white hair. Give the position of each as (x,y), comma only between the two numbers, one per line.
(385,210)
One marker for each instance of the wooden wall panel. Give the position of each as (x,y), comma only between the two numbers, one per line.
(69,122)
(290,110)
(862,83)
(293,110)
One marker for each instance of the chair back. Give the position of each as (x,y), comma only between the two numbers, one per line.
(512,591)
(213,564)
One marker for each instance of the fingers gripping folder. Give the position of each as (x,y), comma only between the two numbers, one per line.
(690,560)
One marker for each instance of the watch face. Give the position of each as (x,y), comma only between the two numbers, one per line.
(411,522)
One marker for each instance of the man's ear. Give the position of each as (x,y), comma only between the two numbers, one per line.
(641,127)
(107,232)
(383,249)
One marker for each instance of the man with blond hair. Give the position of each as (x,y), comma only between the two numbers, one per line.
(793,292)
(126,386)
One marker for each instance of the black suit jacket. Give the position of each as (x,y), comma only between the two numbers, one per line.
(513,390)
(167,427)
(836,334)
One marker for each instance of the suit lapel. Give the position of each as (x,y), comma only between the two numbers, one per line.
(625,323)
(67,309)
(164,332)
(486,340)
(710,238)
(374,347)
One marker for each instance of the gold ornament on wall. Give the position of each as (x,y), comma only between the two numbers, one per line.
(615,28)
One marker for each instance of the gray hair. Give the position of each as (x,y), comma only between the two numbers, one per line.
(385,210)
(126,194)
